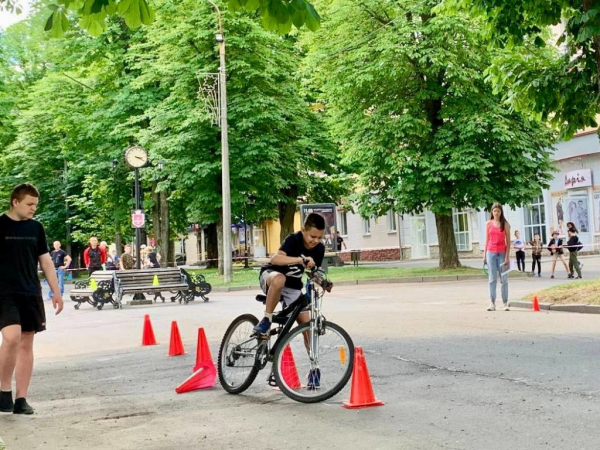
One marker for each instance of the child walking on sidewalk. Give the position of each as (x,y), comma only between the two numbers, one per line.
(536,254)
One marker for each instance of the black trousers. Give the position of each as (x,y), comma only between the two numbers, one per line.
(521,260)
(536,259)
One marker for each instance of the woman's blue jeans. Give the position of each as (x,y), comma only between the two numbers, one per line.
(495,262)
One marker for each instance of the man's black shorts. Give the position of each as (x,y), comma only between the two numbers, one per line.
(25,310)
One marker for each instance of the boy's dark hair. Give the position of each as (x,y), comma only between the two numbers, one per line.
(21,190)
(314,220)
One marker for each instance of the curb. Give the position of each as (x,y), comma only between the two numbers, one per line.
(374,281)
(575,308)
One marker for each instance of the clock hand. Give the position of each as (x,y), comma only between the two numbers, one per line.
(141,159)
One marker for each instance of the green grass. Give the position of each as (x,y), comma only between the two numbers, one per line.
(249,277)
(576,291)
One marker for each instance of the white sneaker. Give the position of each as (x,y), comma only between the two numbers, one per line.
(492,307)
(506,308)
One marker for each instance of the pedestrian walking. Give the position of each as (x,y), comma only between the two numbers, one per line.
(496,254)
(571,225)
(22,247)
(519,246)
(340,241)
(61,261)
(556,251)
(536,254)
(574,245)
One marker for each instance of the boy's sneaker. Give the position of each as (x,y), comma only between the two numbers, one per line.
(492,307)
(6,402)
(263,326)
(22,407)
(314,379)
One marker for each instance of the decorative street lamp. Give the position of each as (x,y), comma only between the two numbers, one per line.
(226,190)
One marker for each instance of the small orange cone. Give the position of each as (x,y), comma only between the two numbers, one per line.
(361,392)
(202,351)
(202,378)
(175,346)
(289,373)
(536,305)
(148,334)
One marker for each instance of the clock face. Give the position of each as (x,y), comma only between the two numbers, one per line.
(136,157)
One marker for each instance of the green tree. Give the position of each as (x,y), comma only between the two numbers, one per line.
(563,86)
(276,15)
(405,92)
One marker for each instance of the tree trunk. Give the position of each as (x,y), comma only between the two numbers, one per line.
(447,241)
(212,246)
(161,228)
(287,211)
(220,240)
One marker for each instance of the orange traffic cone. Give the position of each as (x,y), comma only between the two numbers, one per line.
(536,305)
(175,346)
(148,334)
(361,392)
(202,378)
(202,351)
(289,373)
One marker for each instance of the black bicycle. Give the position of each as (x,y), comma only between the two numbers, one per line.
(310,363)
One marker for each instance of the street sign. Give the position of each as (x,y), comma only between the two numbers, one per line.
(138,219)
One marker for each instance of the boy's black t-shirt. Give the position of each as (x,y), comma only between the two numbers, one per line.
(294,246)
(21,244)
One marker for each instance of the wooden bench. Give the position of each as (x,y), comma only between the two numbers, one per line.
(103,293)
(143,281)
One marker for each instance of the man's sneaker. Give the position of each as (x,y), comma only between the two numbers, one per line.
(314,379)
(263,326)
(579,278)
(22,407)
(506,308)
(533,273)
(6,402)
(492,307)
(539,275)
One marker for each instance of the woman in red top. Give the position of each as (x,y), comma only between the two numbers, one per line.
(497,243)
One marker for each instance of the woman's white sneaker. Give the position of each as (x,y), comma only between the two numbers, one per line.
(506,308)
(492,307)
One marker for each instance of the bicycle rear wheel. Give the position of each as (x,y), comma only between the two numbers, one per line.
(316,380)
(237,366)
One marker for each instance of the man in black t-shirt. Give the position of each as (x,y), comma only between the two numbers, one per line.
(281,279)
(22,247)
(61,261)
(339,241)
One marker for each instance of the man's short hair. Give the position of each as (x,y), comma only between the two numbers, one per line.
(314,220)
(21,190)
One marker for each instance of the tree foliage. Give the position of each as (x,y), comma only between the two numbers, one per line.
(82,101)
(276,15)
(406,94)
(562,86)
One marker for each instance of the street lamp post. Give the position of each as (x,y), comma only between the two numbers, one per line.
(226,190)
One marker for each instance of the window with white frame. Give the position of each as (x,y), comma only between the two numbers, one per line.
(535,219)
(391,222)
(367,226)
(343,222)
(462,235)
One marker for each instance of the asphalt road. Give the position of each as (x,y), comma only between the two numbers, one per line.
(451,374)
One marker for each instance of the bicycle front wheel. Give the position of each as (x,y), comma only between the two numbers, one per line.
(312,369)
(237,366)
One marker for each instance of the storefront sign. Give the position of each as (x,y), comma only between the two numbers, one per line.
(578,178)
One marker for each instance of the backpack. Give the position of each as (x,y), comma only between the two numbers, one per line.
(95,257)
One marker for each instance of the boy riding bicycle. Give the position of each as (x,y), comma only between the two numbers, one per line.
(281,278)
